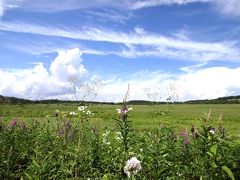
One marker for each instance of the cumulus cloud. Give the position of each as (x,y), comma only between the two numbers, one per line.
(210,83)
(201,84)
(39,81)
(67,64)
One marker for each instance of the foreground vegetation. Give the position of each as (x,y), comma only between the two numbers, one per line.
(98,142)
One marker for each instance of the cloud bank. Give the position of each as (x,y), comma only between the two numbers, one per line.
(206,83)
(40,82)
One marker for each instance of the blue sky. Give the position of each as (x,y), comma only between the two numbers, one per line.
(187,49)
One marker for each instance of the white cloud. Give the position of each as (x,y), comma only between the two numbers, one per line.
(1,8)
(63,5)
(202,84)
(230,7)
(60,5)
(67,64)
(210,83)
(109,14)
(152,3)
(39,81)
(155,44)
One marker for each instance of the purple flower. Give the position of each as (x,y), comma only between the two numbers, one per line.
(13,123)
(184,134)
(186,142)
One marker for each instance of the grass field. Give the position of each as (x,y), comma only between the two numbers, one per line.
(142,116)
(147,142)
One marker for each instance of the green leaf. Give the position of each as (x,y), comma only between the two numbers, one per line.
(228,171)
(35,163)
(28,176)
(213,149)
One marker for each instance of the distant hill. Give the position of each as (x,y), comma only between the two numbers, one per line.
(220,100)
(14,100)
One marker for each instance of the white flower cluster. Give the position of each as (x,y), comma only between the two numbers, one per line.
(119,136)
(105,138)
(82,108)
(89,113)
(124,110)
(72,113)
(132,166)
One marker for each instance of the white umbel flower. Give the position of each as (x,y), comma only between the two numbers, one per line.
(132,167)
(72,113)
(82,108)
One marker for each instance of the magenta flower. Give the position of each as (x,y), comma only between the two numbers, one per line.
(13,123)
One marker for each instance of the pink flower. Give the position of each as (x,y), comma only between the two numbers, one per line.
(13,123)
(124,110)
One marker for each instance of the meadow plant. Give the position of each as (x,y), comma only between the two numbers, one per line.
(132,167)
(14,123)
(83,150)
(123,123)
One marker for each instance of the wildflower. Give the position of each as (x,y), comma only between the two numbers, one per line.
(13,123)
(186,142)
(89,113)
(184,134)
(132,167)
(119,136)
(124,110)
(119,133)
(105,138)
(56,113)
(72,113)
(212,131)
(106,133)
(82,108)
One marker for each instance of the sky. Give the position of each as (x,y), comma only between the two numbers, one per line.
(65,49)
